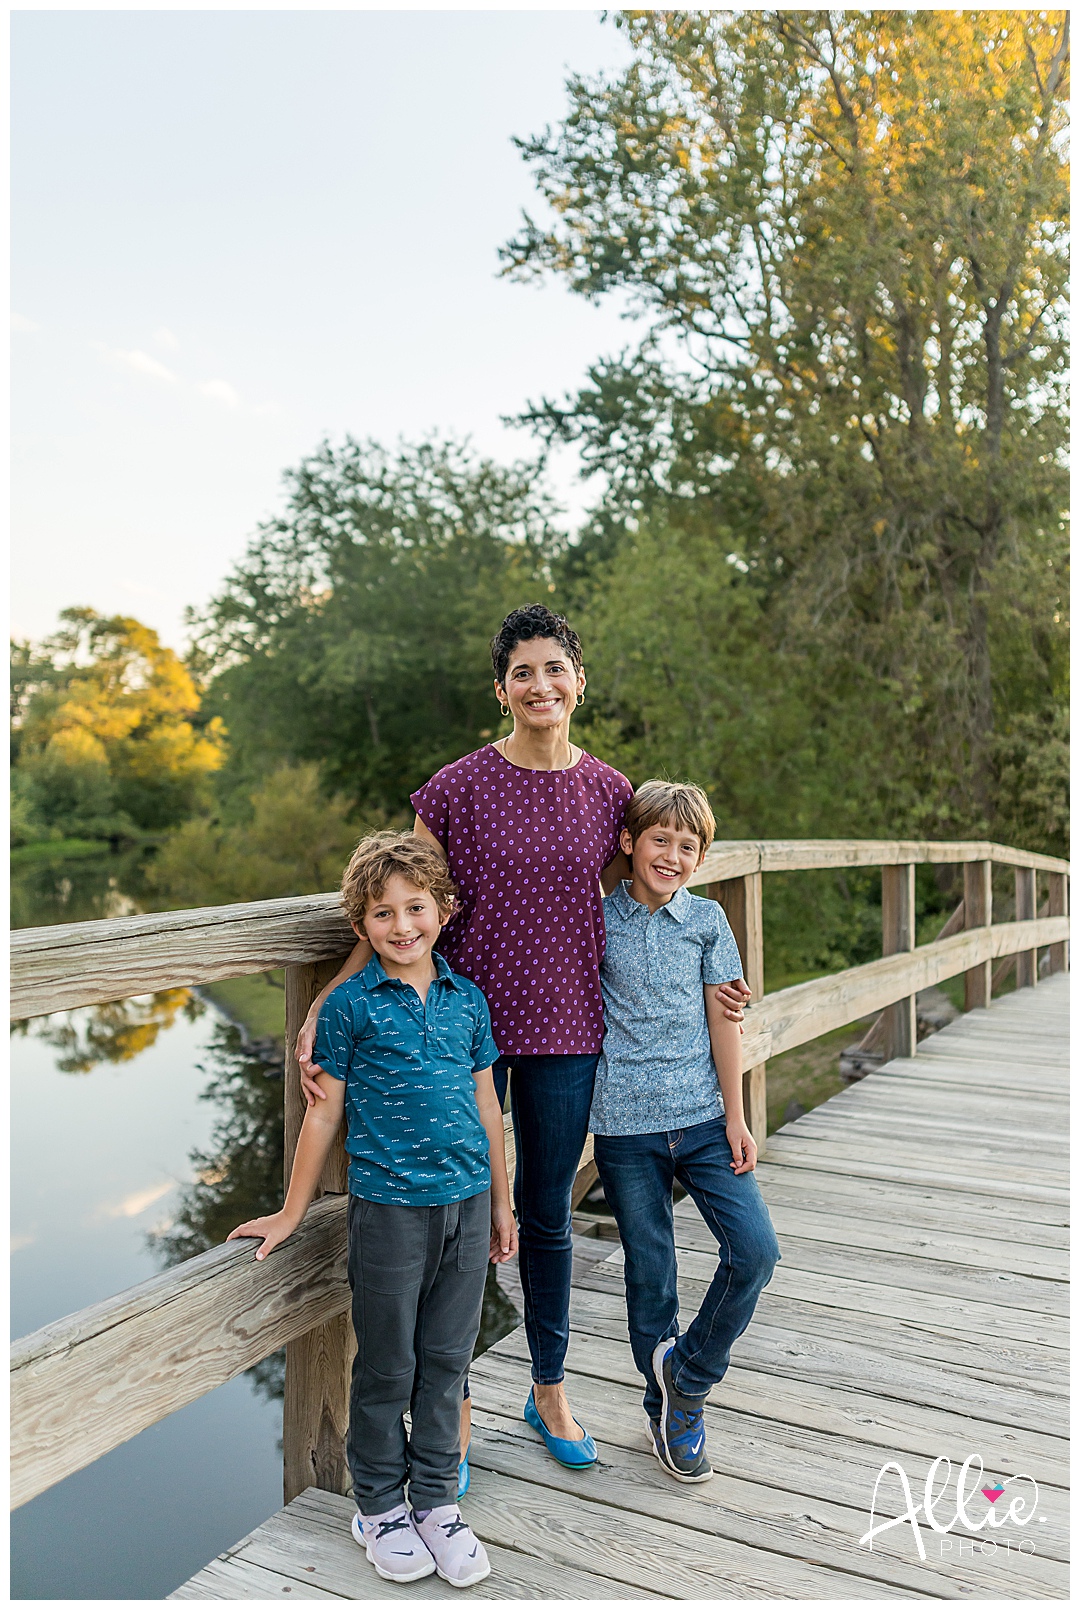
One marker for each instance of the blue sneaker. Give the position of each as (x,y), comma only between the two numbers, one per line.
(679,1438)
(463,1475)
(571,1454)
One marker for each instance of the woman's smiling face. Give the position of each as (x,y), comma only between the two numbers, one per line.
(542,686)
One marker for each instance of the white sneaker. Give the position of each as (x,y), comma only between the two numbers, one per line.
(460,1557)
(393,1545)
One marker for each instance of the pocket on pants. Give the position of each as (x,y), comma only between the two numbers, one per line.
(391,1243)
(474,1231)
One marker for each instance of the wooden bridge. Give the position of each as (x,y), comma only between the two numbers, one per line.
(917,1315)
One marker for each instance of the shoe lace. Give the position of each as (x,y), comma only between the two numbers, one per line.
(400,1525)
(452,1528)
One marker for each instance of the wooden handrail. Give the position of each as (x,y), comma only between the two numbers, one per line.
(88,963)
(87,1383)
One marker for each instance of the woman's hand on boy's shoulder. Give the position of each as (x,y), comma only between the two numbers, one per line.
(504,1236)
(743,1146)
(272,1230)
(733,997)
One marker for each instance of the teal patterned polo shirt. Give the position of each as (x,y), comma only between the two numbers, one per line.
(414,1132)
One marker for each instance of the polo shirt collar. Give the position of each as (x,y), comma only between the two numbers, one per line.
(626,906)
(375,973)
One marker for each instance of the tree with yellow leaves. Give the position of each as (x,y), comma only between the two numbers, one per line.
(106,733)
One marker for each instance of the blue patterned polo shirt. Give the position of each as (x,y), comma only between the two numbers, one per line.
(656,1071)
(414,1132)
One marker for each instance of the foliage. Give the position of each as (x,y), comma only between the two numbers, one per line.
(851,229)
(354,632)
(295,841)
(106,734)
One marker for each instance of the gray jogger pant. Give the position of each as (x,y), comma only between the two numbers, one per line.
(417,1276)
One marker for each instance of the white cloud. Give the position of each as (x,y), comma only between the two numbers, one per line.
(220,391)
(163,337)
(18,1242)
(137,1202)
(141,362)
(144,364)
(23,326)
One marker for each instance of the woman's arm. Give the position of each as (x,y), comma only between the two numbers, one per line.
(317,1135)
(359,957)
(727,1058)
(503,1228)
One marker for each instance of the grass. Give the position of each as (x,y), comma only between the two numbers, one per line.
(808,1075)
(257,1002)
(57,850)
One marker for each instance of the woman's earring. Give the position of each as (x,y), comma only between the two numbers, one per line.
(504,710)
(580,700)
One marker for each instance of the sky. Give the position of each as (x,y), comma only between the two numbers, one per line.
(234,233)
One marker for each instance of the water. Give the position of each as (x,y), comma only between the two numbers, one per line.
(102,1157)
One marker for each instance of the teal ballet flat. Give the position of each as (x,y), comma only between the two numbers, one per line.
(574,1455)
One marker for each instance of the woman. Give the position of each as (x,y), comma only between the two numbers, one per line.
(530,828)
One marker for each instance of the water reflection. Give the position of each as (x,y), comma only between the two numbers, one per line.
(46,889)
(116,1032)
(239,1174)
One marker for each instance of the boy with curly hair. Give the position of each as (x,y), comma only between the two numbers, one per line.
(406,1051)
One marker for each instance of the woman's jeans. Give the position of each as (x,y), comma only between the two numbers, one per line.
(637,1173)
(550,1099)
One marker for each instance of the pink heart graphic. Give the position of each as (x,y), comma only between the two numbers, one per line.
(993,1493)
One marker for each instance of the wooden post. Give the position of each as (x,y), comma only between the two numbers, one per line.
(741,900)
(1027,961)
(978,913)
(898,934)
(1059,907)
(318,1365)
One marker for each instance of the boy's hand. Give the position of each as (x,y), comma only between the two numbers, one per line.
(274,1229)
(504,1238)
(743,1146)
(732,998)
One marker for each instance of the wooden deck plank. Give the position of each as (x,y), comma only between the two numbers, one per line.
(815,1529)
(918,1311)
(857,1366)
(1034,1224)
(942,1245)
(958,1316)
(884,1422)
(789,1458)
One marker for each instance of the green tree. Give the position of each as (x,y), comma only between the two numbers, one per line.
(106,731)
(354,632)
(294,841)
(850,228)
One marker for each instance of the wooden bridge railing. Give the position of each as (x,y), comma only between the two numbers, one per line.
(89,1382)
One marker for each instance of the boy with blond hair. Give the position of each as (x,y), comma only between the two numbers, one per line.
(667,1107)
(405,1050)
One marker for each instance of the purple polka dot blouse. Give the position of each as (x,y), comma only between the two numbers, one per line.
(526,849)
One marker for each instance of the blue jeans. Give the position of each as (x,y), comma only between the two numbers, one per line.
(637,1173)
(550,1099)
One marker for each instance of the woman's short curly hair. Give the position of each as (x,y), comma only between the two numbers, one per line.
(376,859)
(521,626)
